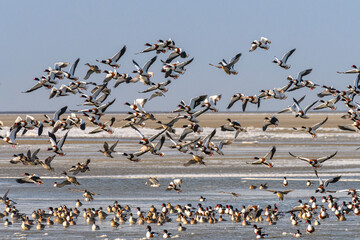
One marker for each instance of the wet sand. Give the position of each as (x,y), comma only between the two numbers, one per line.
(211,119)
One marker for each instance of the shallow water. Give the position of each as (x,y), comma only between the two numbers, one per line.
(122,180)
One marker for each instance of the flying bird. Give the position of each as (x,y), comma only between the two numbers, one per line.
(228,67)
(280,194)
(264,43)
(314,162)
(282,62)
(324,184)
(112,62)
(312,130)
(266,159)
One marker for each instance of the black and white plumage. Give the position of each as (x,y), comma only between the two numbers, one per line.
(112,62)
(282,62)
(228,67)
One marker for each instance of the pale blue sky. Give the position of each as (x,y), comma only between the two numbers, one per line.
(36,34)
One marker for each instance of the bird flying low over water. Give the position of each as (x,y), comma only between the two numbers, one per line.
(30,178)
(47,163)
(280,194)
(270,121)
(302,113)
(196,159)
(108,150)
(228,67)
(282,62)
(233,126)
(266,159)
(232,194)
(312,130)
(314,162)
(56,146)
(153,182)
(328,104)
(80,167)
(11,136)
(324,184)
(194,102)
(56,116)
(112,62)
(144,140)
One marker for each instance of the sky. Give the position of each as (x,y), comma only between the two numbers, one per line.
(36,34)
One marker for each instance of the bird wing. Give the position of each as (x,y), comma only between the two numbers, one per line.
(297,105)
(49,159)
(63,183)
(62,140)
(183,64)
(152,138)
(113,146)
(52,138)
(73,67)
(332,180)
(172,56)
(283,89)
(5,195)
(194,102)
(287,55)
(323,159)
(303,73)
(257,162)
(271,153)
(59,112)
(110,122)
(285,110)
(316,126)
(310,106)
(148,64)
(214,65)
(184,133)
(159,145)
(76,190)
(190,162)
(320,180)
(140,102)
(347,128)
(137,130)
(234,99)
(321,106)
(215,98)
(208,138)
(171,139)
(106,146)
(273,191)
(287,191)
(36,86)
(198,113)
(234,60)
(118,55)
(299,157)
(227,127)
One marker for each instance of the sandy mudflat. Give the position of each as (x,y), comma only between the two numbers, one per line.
(214,119)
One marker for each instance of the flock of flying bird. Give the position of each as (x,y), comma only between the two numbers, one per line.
(199,147)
